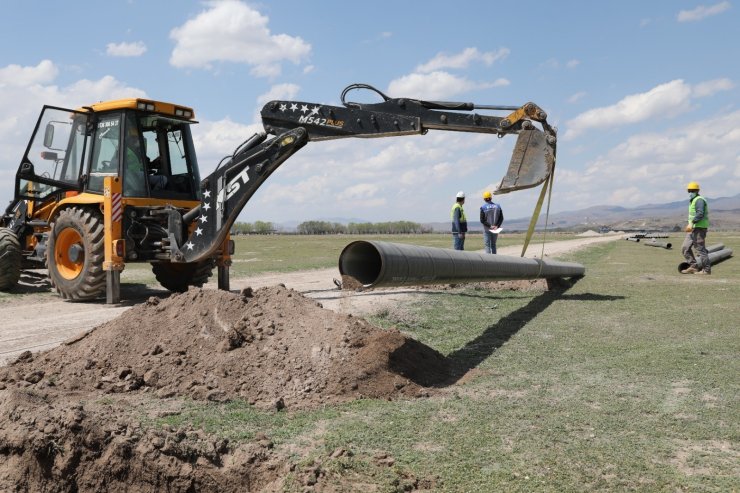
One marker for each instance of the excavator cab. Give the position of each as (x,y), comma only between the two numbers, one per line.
(74,151)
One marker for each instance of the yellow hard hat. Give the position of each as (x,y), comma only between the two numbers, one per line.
(486,194)
(692,186)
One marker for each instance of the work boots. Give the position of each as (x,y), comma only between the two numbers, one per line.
(689,270)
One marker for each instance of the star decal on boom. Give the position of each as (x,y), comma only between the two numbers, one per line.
(203,219)
(198,232)
(206,206)
(189,245)
(207,194)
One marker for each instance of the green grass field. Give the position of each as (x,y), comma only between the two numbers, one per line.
(625,381)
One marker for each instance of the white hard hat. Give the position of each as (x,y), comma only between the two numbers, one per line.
(460,194)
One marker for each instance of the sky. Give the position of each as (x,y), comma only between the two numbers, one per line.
(645,95)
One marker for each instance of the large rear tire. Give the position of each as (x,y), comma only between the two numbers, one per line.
(75,254)
(178,277)
(11,259)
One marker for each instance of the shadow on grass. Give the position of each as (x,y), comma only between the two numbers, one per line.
(460,362)
(396,291)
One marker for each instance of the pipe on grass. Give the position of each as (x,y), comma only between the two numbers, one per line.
(660,244)
(384,264)
(714,258)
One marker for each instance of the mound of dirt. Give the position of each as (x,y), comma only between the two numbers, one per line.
(71,418)
(272,347)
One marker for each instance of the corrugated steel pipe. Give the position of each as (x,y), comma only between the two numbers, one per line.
(381,264)
(660,244)
(714,258)
(633,238)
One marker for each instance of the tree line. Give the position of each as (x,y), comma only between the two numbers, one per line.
(388,227)
(258,227)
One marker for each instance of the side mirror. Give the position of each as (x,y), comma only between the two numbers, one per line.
(26,170)
(49,135)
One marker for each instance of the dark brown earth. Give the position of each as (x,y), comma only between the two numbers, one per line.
(70,418)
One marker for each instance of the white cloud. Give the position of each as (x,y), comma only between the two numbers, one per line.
(16,75)
(663,101)
(213,140)
(654,167)
(381,179)
(232,31)
(361,191)
(436,85)
(135,49)
(462,59)
(279,91)
(710,87)
(702,11)
(576,97)
(555,64)
(667,99)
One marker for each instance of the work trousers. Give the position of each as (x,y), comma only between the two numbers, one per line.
(696,239)
(458,241)
(489,241)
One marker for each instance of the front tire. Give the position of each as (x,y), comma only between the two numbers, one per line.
(75,254)
(11,259)
(178,277)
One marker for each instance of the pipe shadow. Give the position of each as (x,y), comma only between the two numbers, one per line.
(431,292)
(441,371)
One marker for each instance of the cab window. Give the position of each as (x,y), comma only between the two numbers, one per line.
(104,160)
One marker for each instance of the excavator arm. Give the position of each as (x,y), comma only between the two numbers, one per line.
(532,160)
(294,123)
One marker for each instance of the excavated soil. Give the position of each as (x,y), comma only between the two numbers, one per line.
(70,417)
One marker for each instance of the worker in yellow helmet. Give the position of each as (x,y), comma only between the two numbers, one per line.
(491,216)
(697,233)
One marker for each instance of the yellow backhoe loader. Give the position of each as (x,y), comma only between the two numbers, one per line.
(118,182)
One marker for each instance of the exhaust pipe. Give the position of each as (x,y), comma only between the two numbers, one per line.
(383,264)
(714,258)
(660,244)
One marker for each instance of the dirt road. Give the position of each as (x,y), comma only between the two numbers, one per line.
(39,320)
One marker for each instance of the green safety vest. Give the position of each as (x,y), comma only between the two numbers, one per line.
(457,205)
(704,223)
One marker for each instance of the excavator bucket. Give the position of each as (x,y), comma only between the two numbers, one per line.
(531,162)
